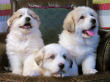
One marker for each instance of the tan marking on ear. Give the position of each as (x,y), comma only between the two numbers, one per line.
(36,17)
(12,18)
(40,56)
(69,24)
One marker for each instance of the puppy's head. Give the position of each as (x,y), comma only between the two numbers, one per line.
(82,21)
(24,20)
(55,59)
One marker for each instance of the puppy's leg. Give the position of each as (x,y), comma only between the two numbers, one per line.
(74,70)
(16,64)
(88,65)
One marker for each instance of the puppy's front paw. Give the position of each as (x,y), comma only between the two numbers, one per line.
(90,71)
(19,72)
(32,73)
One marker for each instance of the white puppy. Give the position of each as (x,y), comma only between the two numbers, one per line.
(24,38)
(80,37)
(53,60)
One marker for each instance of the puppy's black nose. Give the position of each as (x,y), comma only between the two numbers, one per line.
(28,19)
(93,21)
(61,65)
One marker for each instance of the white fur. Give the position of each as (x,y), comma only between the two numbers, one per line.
(22,42)
(49,66)
(82,47)
(30,67)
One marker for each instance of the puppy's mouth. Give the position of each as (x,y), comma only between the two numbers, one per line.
(60,72)
(89,32)
(26,26)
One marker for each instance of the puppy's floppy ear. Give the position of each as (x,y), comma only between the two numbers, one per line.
(36,17)
(69,23)
(40,56)
(12,18)
(71,63)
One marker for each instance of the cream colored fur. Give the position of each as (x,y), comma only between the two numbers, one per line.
(80,45)
(21,43)
(49,58)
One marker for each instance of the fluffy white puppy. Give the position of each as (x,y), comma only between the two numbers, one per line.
(23,39)
(53,60)
(80,37)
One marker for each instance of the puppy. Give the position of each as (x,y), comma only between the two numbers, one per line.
(80,37)
(53,60)
(23,39)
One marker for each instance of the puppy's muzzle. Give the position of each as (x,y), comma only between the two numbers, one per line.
(27,24)
(90,32)
(93,21)
(61,71)
(61,66)
(27,19)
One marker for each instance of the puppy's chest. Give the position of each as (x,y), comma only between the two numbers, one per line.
(24,46)
(80,49)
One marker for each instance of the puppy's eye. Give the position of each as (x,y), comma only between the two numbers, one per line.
(52,57)
(64,56)
(92,15)
(82,17)
(20,15)
(31,15)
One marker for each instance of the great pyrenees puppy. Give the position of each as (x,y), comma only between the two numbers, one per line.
(24,38)
(53,60)
(80,37)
